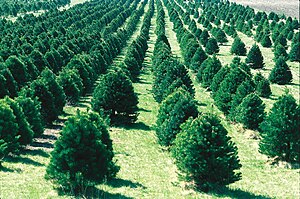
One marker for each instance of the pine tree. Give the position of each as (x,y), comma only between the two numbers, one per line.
(280,130)
(238,47)
(255,58)
(280,52)
(173,111)
(204,37)
(199,57)
(251,111)
(210,70)
(281,73)
(82,155)
(115,95)
(205,153)
(18,70)
(294,54)
(266,41)
(218,78)
(221,36)
(212,46)
(262,86)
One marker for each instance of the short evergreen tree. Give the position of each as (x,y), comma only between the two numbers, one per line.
(280,52)
(32,111)
(115,95)
(221,36)
(251,112)
(218,78)
(238,47)
(281,73)
(266,41)
(205,153)
(294,54)
(173,111)
(262,86)
(82,155)
(280,130)
(254,58)
(212,46)
(198,59)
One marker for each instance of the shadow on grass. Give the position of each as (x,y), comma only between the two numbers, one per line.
(117,183)
(93,192)
(35,152)
(200,103)
(23,160)
(144,110)
(236,193)
(48,137)
(136,126)
(42,145)
(5,169)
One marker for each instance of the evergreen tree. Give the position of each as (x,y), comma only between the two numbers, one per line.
(18,70)
(204,37)
(198,59)
(212,46)
(281,73)
(262,86)
(280,52)
(280,130)
(221,36)
(10,82)
(32,112)
(255,58)
(218,78)
(82,155)
(238,47)
(294,54)
(205,153)
(173,111)
(266,41)
(210,70)
(251,111)
(115,95)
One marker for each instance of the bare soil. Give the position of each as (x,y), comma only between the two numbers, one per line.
(287,7)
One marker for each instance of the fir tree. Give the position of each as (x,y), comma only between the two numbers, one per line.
(212,46)
(255,58)
(238,47)
(210,70)
(199,57)
(294,54)
(205,153)
(251,111)
(280,130)
(281,73)
(280,52)
(266,41)
(262,86)
(218,78)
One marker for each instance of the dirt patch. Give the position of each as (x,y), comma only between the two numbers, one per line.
(287,7)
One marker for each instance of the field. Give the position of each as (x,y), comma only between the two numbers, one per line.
(147,169)
(287,7)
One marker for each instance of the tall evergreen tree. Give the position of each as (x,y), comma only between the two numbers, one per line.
(262,86)
(238,47)
(280,51)
(199,57)
(210,70)
(255,58)
(281,73)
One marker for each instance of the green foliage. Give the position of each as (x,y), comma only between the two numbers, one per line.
(205,153)
(221,36)
(115,95)
(32,112)
(251,111)
(280,52)
(294,54)
(209,70)
(218,78)
(254,58)
(198,59)
(204,37)
(173,111)
(24,131)
(281,73)
(266,41)
(212,46)
(263,88)
(10,83)
(18,70)
(238,47)
(82,155)
(280,130)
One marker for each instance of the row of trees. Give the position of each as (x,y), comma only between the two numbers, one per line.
(178,122)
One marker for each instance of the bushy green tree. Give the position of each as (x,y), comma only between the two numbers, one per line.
(255,58)
(280,130)
(238,47)
(10,82)
(173,111)
(281,73)
(218,78)
(32,111)
(294,54)
(205,153)
(18,70)
(204,37)
(212,46)
(199,57)
(262,86)
(209,71)
(82,155)
(251,112)
(266,41)
(115,95)
(280,51)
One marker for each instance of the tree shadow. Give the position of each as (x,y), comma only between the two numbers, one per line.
(144,110)
(48,137)
(136,126)
(42,145)
(35,152)
(200,103)
(5,169)
(236,193)
(23,160)
(118,183)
